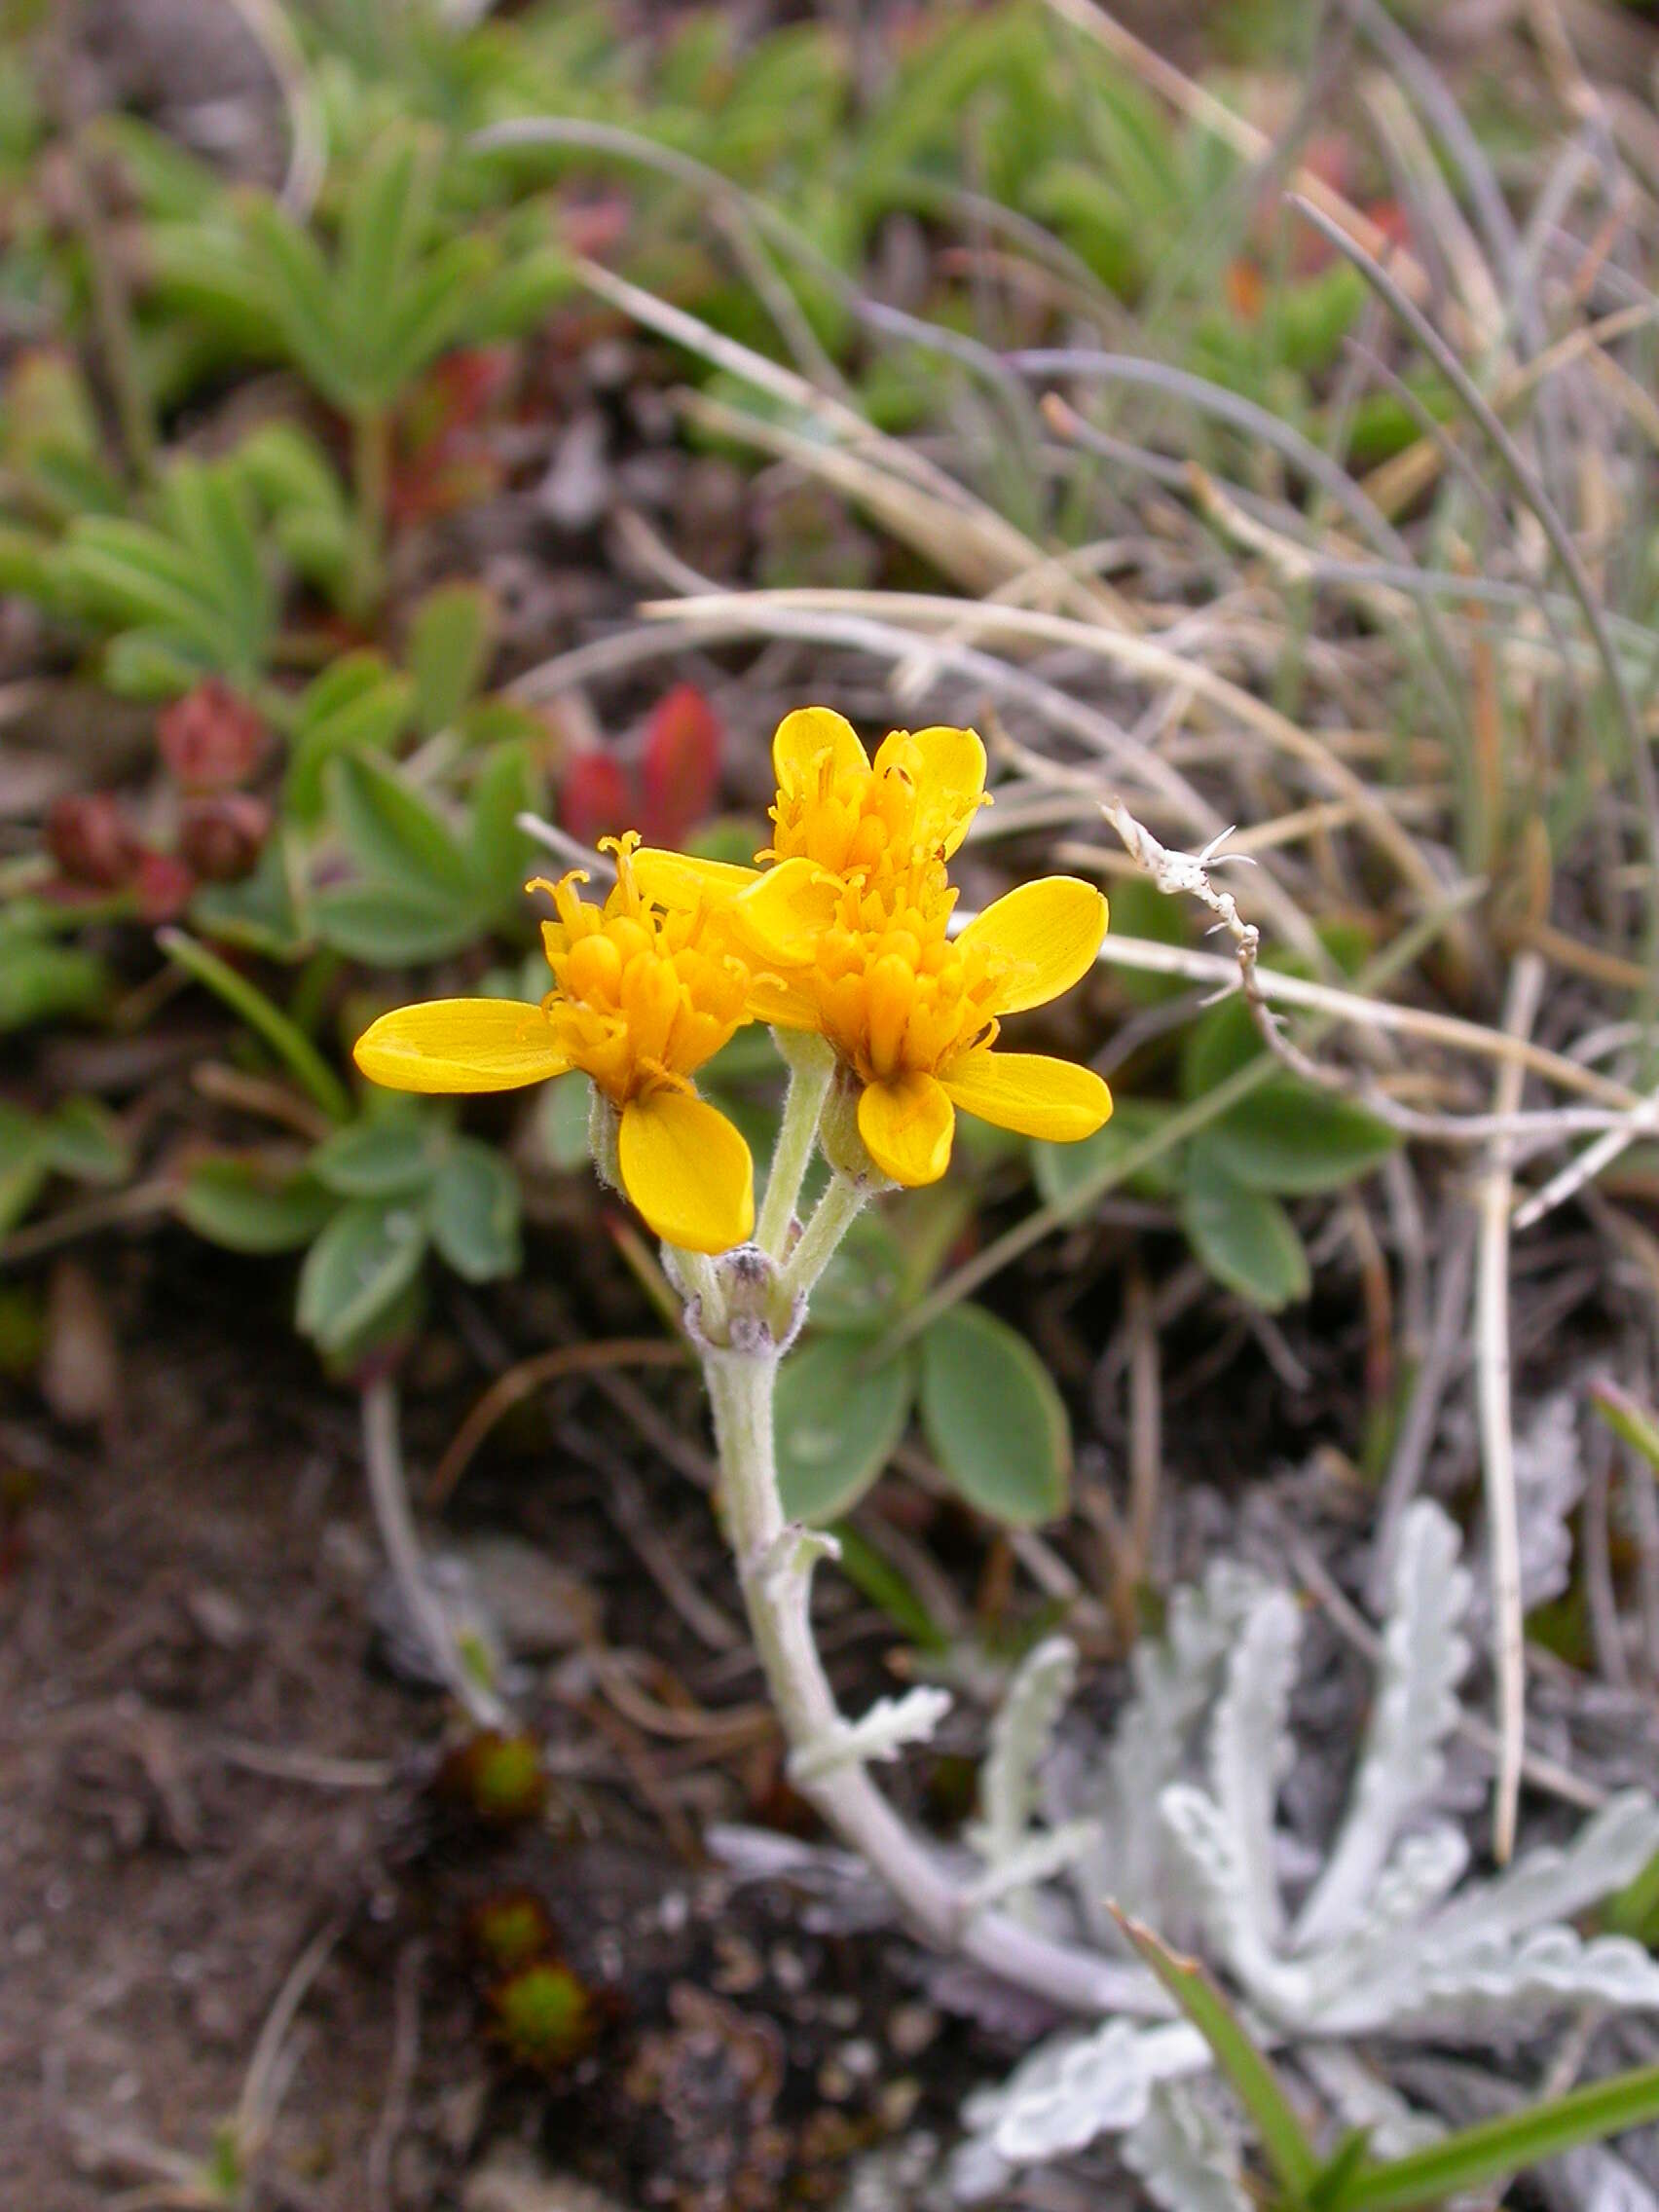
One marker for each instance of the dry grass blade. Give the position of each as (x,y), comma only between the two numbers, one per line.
(1498,1436)
(1531,492)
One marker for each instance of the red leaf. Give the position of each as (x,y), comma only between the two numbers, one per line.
(680,766)
(594,798)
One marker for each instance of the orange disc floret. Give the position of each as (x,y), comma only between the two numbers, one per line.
(641,999)
(913,1013)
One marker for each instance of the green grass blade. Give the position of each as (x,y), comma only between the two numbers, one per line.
(1477,2157)
(1254,2081)
(291,1046)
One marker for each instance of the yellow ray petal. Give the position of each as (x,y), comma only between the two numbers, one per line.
(1047,932)
(688,1170)
(801,737)
(785,1002)
(459,1045)
(947,767)
(907,1127)
(681,881)
(783,913)
(1030,1092)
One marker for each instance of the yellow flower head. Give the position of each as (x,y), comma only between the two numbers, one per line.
(848,931)
(641,1001)
(839,819)
(913,1013)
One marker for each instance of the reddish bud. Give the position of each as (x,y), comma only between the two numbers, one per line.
(162,885)
(92,840)
(222,836)
(681,765)
(594,798)
(212,738)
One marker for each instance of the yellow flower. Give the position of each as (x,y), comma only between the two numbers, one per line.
(838,819)
(913,1013)
(641,1001)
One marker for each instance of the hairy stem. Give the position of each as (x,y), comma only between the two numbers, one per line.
(389,1493)
(812,1064)
(774,1566)
(833,1215)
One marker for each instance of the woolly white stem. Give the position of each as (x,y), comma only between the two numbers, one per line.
(774,1565)
(812,1064)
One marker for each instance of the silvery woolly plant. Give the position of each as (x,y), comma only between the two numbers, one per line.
(1388,1943)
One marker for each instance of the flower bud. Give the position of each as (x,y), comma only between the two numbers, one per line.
(92,840)
(212,738)
(222,836)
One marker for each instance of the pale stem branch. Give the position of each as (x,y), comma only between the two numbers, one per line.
(774,1566)
(1497,1437)
(811,1065)
(389,1494)
(833,1215)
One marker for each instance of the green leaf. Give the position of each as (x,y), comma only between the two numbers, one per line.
(1060,1169)
(1475,2157)
(256,914)
(23,1139)
(364,1259)
(290,1044)
(1245,1238)
(21,1182)
(1253,2079)
(241,1205)
(388,210)
(864,1282)
(994,1419)
(499,851)
(207,509)
(295,281)
(389,927)
(49,982)
(473,1213)
(839,1418)
(431,311)
(359,704)
(1218,1045)
(1140,910)
(881,1582)
(452,635)
(393,832)
(391,1156)
(1289,1138)
(84,1140)
(154,664)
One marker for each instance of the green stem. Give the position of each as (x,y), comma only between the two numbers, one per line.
(812,1065)
(371,475)
(833,1215)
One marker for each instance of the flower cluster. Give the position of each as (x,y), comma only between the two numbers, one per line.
(842,929)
